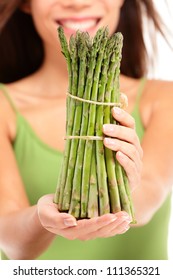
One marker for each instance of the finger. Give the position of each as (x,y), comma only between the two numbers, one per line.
(122,228)
(134,176)
(112,229)
(94,232)
(87,229)
(123,117)
(92,225)
(50,217)
(126,148)
(123,133)
(124,101)
(85,226)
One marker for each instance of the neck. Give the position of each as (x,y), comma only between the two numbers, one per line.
(128,84)
(53,73)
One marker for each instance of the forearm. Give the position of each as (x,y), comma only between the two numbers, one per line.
(148,199)
(22,236)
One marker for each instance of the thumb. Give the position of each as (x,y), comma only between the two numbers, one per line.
(50,217)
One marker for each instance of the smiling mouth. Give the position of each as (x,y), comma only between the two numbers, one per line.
(78,24)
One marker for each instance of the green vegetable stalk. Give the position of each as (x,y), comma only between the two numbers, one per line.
(91,181)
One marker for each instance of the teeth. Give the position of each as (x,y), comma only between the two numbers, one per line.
(79,24)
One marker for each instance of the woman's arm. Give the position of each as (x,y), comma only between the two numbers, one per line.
(21,234)
(157,173)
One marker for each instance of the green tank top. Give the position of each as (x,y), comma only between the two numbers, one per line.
(39,166)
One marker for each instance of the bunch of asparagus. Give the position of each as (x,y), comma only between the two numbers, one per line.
(92,182)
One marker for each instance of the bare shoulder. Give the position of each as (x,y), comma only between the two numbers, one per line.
(10,96)
(160,91)
(7,116)
(4,108)
(157,99)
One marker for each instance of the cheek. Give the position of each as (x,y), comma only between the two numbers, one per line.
(42,20)
(113,20)
(113,9)
(114,3)
(38,13)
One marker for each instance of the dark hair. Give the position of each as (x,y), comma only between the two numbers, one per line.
(21,48)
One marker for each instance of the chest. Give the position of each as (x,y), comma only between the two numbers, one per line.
(47,120)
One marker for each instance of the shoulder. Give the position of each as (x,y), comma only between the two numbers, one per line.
(156,99)
(159,93)
(159,88)
(159,99)
(7,115)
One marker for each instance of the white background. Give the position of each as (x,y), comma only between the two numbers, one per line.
(164,70)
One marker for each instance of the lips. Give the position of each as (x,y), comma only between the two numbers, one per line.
(85,24)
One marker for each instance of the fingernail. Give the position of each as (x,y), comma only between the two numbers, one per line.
(117,110)
(108,128)
(127,227)
(109,141)
(104,127)
(121,156)
(113,219)
(70,222)
(126,217)
(110,221)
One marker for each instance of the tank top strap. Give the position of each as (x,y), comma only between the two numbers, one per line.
(8,97)
(139,92)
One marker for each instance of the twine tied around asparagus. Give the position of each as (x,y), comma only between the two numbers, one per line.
(122,104)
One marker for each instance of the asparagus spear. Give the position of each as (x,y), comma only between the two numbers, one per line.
(126,183)
(92,54)
(65,198)
(74,201)
(91,131)
(100,155)
(93,206)
(60,186)
(109,154)
(123,185)
(71,108)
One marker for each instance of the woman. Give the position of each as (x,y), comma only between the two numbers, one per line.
(32,127)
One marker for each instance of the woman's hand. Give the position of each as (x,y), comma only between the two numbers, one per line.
(66,225)
(125,142)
